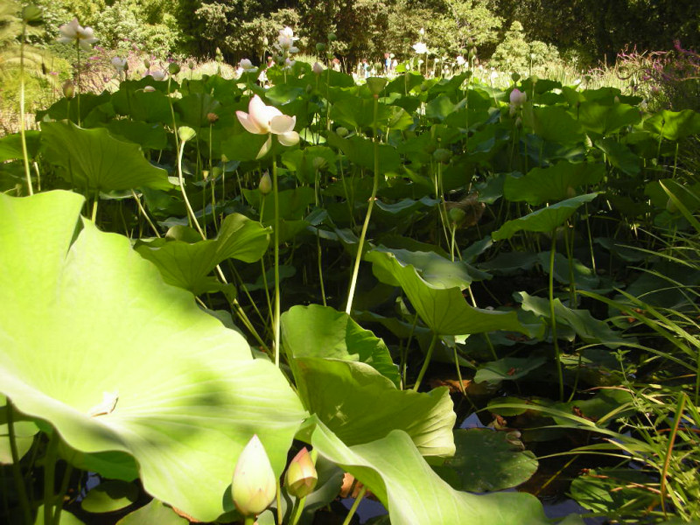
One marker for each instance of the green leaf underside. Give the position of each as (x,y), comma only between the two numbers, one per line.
(189,395)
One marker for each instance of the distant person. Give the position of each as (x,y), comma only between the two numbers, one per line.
(387,63)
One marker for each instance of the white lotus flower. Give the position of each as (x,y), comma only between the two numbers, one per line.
(262,119)
(158,75)
(460,60)
(317,68)
(246,65)
(119,64)
(74,32)
(420,48)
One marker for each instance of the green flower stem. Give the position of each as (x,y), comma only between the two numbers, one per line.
(142,210)
(250,520)
(22,123)
(424,368)
(365,226)
(95,202)
(77,49)
(49,475)
(320,266)
(16,471)
(278,500)
(557,353)
(61,493)
(277,314)
(669,451)
(297,510)
(356,504)
(184,193)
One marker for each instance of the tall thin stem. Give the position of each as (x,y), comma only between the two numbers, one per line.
(184,193)
(16,470)
(424,368)
(276,233)
(22,123)
(356,504)
(365,225)
(557,354)
(49,475)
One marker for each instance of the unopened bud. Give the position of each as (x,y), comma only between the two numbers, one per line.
(254,483)
(265,185)
(68,89)
(173,68)
(320,47)
(342,132)
(301,477)
(317,68)
(332,37)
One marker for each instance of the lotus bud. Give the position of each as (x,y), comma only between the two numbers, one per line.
(442,155)
(301,477)
(147,63)
(68,89)
(173,68)
(320,47)
(342,132)
(319,163)
(31,13)
(212,117)
(254,484)
(246,65)
(265,185)
(616,99)
(216,172)
(517,98)
(149,89)
(265,41)
(332,37)
(186,133)
(317,68)
(376,85)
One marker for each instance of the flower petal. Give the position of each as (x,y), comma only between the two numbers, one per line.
(247,123)
(280,124)
(265,148)
(290,138)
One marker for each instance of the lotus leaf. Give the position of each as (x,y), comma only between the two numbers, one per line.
(94,345)
(95,160)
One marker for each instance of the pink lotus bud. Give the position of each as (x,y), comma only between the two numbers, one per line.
(301,475)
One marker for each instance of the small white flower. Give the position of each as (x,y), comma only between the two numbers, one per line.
(420,48)
(74,32)
(149,89)
(460,60)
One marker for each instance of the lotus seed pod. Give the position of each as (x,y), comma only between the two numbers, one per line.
(212,117)
(173,68)
(342,132)
(442,155)
(186,133)
(254,483)
(320,47)
(31,13)
(265,185)
(332,37)
(456,215)
(301,475)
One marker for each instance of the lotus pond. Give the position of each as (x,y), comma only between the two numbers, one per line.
(192,270)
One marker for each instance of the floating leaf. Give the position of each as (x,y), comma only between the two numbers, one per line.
(487,460)
(190,395)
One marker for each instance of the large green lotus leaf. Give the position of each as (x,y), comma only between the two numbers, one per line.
(187,265)
(674,125)
(395,472)
(543,220)
(146,106)
(553,123)
(444,310)
(433,269)
(508,368)
(96,345)
(551,184)
(604,119)
(361,152)
(320,331)
(620,155)
(95,160)
(153,512)
(360,405)
(488,460)
(11,145)
(150,136)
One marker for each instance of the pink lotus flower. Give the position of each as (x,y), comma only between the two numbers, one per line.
(262,119)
